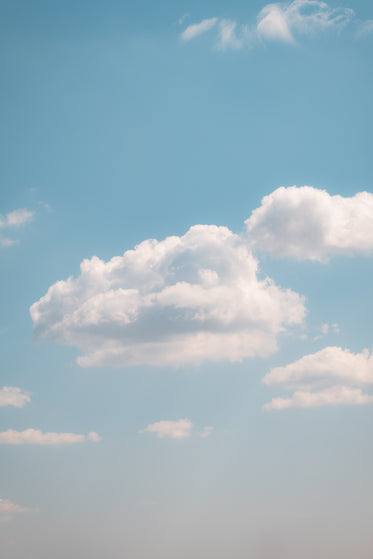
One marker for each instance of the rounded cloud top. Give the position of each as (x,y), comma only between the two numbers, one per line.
(179,301)
(309,224)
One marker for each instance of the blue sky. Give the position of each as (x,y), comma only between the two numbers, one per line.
(209,394)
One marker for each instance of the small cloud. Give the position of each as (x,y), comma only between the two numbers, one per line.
(330,377)
(9,510)
(180,429)
(197,29)
(33,436)
(365,29)
(13,220)
(206,432)
(13,396)
(94,437)
(16,218)
(181,19)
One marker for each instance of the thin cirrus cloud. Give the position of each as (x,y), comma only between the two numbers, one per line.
(180,429)
(275,22)
(180,301)
(309,224)
(13,396)
(9,510)
(36,437)
(13,220)
(330,377)
(196,29)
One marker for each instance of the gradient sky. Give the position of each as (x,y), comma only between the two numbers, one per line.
(176,402)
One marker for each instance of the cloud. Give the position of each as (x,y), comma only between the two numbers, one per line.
(332,376)
(33,436)
(228,37)
(309,224)
(13,396)
(275,22)
(206,431)
(181,429)
(365,29)
(335,396)
(9,510)
(197,29)
(179,301)
(15,220)
(300,17)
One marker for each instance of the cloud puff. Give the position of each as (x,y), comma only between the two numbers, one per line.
(33,436)
(206,431)
(275,22)
(14,219)
(308,224)
(196,29)
(332,376)
(182,300)
(300,17)
(9,510)
(365,29)
(13,396)
(181,429)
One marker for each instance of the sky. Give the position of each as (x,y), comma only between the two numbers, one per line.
(186,252)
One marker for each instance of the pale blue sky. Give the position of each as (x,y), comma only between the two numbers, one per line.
(115,130)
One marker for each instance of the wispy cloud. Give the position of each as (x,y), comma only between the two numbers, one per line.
(332,376)
(13,396)
(35,437)
(275,22)
(9,510)
(365,28)
(197,29)
(13,220)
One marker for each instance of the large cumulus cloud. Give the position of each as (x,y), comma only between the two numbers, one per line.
(182,300)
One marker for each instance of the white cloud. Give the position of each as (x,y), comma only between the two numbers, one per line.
(33,436)
(276,22)
(206,431)
(283,23)
(228,37)
(181,429)
(14,219)
(182,300)
(335,396)
(196,29)
(9,510)
(331,376)
(308,224)
(13,396)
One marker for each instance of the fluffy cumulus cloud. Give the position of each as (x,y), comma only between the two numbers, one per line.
(13,396)
(13,220)
(332,376)
(9,510)
(179,301)
(180,429)
(309,224)
(283,22)
(35,437)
